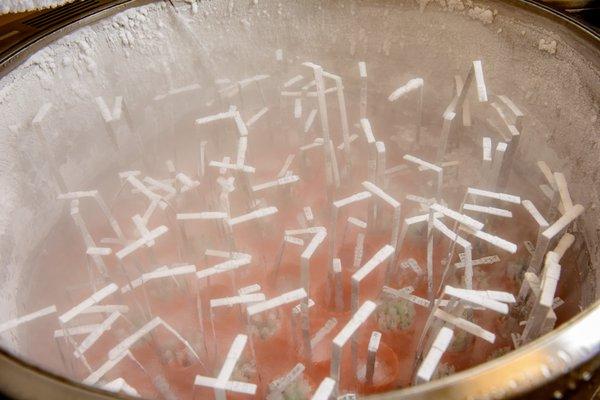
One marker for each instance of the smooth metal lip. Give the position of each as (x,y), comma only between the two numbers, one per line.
(518,372)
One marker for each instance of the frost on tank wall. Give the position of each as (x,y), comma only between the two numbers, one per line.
(97,60)
(11,6)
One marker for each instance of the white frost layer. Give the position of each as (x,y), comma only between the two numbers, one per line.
(13,6)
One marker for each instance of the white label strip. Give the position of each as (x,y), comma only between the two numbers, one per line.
(293,240)
(352,199)
(286,298)
(465,325)
(106,309)
(286,165)
(232,358)
(358,250)
(374,189)
(124,346)
(496,241)
(260,213)
(493,195)
(223,267)
(140,281)
(186,180)
(326,91)
(168,273)
(225,254)
(316,143)
(76,330)
(445,164)
(374,341)
(292,81)
(547,172)
(256,117)
(252,79)
(500,296)
(563,244)
(362,69)
(230,386)
(367,130)
(336,265)
(461,218)
(215,117)
(412,264)
(323,331)
(357,222)
(422,163)
(286,180)
(359,317)
(241,299)
(287,93)
(77,195)
(90,301)
(161,185)
(549,284)
(314,243)
(226,166)
(499,212)
(569,216)
(433,357)
(351,139)
(487,149)
(297,107)
(104,111)
(311,230)
(95,335)
(280,384)
(126,174)
(239,123)
(121,348)
(547,191)
(98,251)
(141,228)
(557,303)
(410,86)
(255,287)
(416,199)
(379,258)
(95,376)
(308,213)
(405,294)
(120,385)
(396,169)
(297,308)
(325,389)
(475,297)
(26,318)
(480,82)
(142,188)
(480,261)
(241,151)
(41,114)
(206,215)
(310,119)
(450,234)
(533,211)
(154,234)
(422,218)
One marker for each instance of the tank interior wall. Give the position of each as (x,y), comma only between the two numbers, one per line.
(148,50)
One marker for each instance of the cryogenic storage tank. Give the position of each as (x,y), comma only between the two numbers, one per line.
(269,199)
